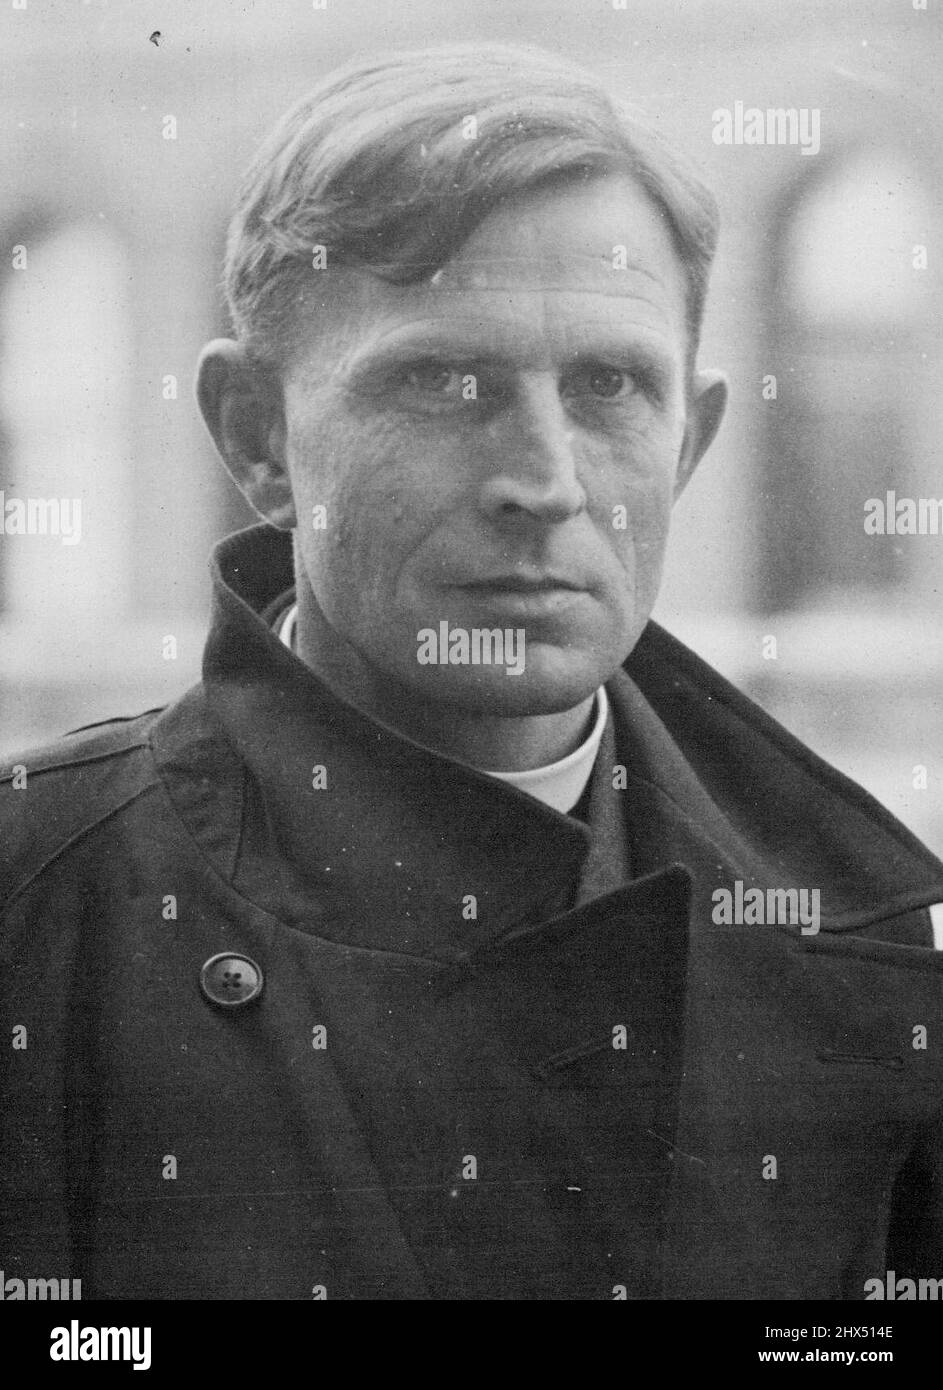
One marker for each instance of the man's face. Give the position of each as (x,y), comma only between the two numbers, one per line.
(497,448)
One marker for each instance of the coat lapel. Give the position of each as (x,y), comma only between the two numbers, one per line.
(520,1102)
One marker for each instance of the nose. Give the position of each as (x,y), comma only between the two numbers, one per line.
(533,474)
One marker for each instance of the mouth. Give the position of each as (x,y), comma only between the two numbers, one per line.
(521,584)
(525,598)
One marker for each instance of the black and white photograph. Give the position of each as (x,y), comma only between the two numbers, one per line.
(471,661)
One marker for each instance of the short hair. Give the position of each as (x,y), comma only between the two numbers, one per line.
(374,165)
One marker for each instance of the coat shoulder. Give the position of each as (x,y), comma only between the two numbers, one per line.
(52,795)
(733,743)
(802,820)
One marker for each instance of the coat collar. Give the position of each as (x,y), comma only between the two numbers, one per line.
(774,812)
(711,783)
(387,836)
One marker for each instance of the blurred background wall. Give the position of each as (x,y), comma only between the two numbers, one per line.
(119,157)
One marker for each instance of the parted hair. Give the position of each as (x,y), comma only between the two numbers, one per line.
(376,165)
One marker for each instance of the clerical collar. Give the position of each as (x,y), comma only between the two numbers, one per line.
(558,785)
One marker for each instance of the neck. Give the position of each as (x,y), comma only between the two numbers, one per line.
(493,742)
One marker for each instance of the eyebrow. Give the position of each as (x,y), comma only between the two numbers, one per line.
(500,342)
(443,343)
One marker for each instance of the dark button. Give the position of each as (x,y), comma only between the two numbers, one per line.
(231,980)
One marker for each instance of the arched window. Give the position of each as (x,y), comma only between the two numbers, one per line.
(849,318)
(65,353)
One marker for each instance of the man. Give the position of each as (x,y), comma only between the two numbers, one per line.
(463,936)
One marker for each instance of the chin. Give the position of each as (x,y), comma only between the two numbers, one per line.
(542,687)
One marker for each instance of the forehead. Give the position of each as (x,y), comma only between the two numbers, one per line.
(544,275)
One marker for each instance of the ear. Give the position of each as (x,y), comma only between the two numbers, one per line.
(706,405)
(241,403)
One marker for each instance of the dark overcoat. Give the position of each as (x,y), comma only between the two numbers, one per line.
(296,1008)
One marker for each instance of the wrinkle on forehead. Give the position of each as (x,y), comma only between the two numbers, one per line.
(631,302)
(581,271)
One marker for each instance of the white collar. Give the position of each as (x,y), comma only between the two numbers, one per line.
(561,784)
(558,785)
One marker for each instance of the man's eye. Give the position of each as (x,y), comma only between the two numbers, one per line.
(606,383)
(434,379)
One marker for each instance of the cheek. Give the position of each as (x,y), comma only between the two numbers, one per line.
(376,512)
(635,505)
(649,517)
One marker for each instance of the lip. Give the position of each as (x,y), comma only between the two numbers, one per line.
(521,584)
(524,597)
